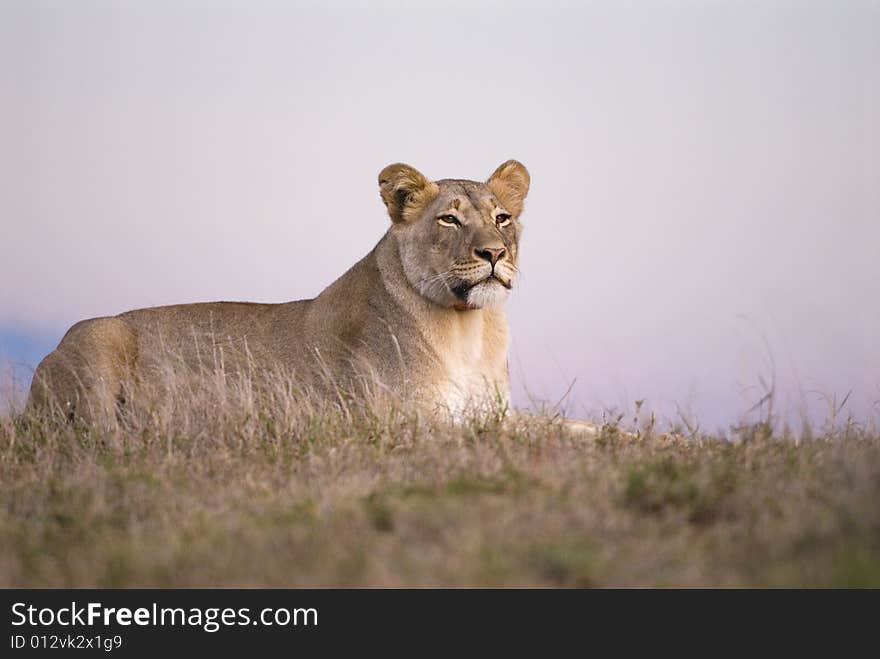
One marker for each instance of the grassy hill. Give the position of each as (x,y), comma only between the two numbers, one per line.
(238,488)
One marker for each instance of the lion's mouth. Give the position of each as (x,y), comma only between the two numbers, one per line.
(461,291)
(507,284)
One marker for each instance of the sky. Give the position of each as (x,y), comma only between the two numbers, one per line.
(704,216)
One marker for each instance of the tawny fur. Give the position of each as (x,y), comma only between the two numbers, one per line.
(420,314)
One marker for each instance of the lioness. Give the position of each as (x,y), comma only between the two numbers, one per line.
(421,314)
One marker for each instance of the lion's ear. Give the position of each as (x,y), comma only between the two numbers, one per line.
(510,183)
(405,191)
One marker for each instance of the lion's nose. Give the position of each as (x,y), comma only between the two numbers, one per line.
(491,254)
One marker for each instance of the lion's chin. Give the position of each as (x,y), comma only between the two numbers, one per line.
(488,293)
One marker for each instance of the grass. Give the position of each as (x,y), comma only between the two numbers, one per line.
(222,484)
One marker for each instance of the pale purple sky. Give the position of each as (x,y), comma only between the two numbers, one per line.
(705,175)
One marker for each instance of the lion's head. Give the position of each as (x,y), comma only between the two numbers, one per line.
(459,240)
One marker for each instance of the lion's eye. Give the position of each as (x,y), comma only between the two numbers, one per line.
(448,221)
(502,219)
